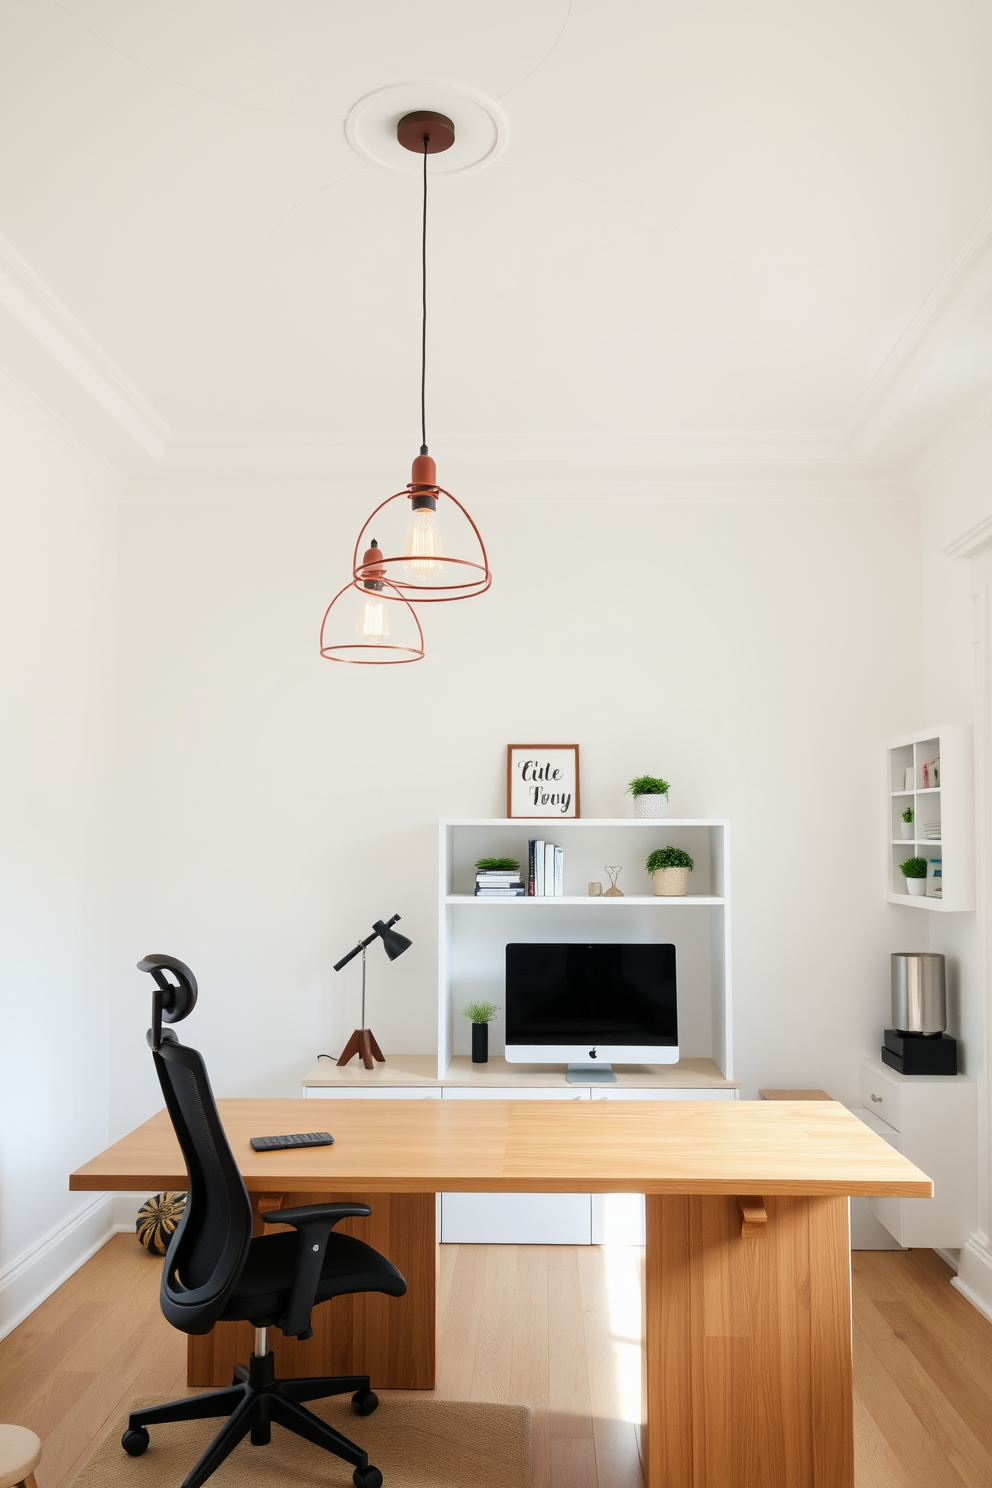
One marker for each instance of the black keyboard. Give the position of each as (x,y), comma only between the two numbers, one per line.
(298,1139)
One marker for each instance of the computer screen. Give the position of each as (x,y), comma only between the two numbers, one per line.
(622,995)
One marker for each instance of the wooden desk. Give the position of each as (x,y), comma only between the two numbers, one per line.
(747,1291)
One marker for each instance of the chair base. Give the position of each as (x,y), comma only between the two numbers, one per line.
(254,1400)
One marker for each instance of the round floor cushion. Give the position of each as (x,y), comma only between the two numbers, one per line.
(20,1453)
(157,1219)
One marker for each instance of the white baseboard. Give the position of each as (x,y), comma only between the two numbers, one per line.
(950,1258)
(43,1267)
(974,1278)
(36,1273)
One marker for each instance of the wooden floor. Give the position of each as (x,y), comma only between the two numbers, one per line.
(557,1328)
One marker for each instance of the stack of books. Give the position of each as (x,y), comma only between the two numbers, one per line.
(545,870)
(499,883)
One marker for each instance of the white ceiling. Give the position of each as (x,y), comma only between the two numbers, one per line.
(748,219)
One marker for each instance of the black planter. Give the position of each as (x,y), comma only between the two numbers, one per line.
(480,1043)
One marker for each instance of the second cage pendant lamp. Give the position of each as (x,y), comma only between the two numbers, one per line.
(421,543)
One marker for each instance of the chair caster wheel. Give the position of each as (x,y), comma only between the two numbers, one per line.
(367,1477)
(135,1441)
(363,1403)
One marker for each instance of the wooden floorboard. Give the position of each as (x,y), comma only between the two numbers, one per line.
(555,1327)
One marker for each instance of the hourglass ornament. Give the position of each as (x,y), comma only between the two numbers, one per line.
(613,892)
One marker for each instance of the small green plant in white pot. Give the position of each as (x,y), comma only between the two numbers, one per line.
(669,868)
(914,871)
(907,822)
(480,1014)
(650,795)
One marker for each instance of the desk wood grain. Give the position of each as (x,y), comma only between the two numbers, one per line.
(653,1147)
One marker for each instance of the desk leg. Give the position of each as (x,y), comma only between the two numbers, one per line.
(748,1345)
(392,1339)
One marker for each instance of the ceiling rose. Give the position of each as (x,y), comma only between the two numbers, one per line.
(480,128)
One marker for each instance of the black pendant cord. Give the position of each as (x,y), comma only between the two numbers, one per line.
(423,333)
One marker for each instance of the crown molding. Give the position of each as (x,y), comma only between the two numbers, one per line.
(20,397)
(36,307)
(151,450)
(956,442)
(580,459)
(524,491)
(972,542)
(966,279)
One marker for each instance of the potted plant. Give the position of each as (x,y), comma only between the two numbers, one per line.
(907,822)
(480,1014)
(650,795)
(669,868)
(914,871)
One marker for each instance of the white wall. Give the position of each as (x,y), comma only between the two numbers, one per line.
(270,805)
(955,496)
(952,499)
(58,540)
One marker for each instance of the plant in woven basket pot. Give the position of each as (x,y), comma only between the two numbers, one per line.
(914,871)
(650,795)
(669,868)
(480,1014)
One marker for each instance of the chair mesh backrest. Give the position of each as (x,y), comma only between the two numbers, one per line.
(210,1245)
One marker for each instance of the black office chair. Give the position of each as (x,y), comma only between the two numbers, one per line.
(214,1270)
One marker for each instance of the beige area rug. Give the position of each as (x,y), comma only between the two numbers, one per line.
(413,1443)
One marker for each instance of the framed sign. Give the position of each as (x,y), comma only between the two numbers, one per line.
(542,780)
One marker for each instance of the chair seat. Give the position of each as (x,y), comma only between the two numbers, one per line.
(262,1292)
(20,1453)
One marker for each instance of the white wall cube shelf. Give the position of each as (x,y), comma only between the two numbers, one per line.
(947,807)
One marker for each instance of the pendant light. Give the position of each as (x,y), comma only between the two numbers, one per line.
(421,543)
(366,628)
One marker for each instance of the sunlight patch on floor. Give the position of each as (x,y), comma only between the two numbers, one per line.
(624,1266)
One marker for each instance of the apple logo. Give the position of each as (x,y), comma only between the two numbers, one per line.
(592,1053)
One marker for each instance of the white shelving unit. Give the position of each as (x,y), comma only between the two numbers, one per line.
(473,932)
(948,805)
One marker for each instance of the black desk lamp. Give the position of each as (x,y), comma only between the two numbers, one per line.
(362,1041)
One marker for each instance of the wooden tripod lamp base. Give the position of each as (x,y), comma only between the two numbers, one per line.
(362,1043)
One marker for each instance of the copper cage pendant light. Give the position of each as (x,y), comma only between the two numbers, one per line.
(416,567)
(361,627)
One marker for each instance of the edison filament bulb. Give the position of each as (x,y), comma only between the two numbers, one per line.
(373,619)
(373,622)
(422,553)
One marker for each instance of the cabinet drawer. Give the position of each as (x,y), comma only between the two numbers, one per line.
(516,1219)
(514,1092)
(881,1095)
(389,1092)
(654,1094)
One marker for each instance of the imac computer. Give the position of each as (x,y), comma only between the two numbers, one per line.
(589,1006)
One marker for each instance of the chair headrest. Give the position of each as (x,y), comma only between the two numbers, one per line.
(175,992)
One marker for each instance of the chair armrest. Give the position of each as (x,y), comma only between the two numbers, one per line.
(315,1223)
(333,1212)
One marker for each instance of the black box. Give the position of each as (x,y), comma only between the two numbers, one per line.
(919,1054)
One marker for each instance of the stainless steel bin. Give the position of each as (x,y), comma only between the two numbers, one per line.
(919,997)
